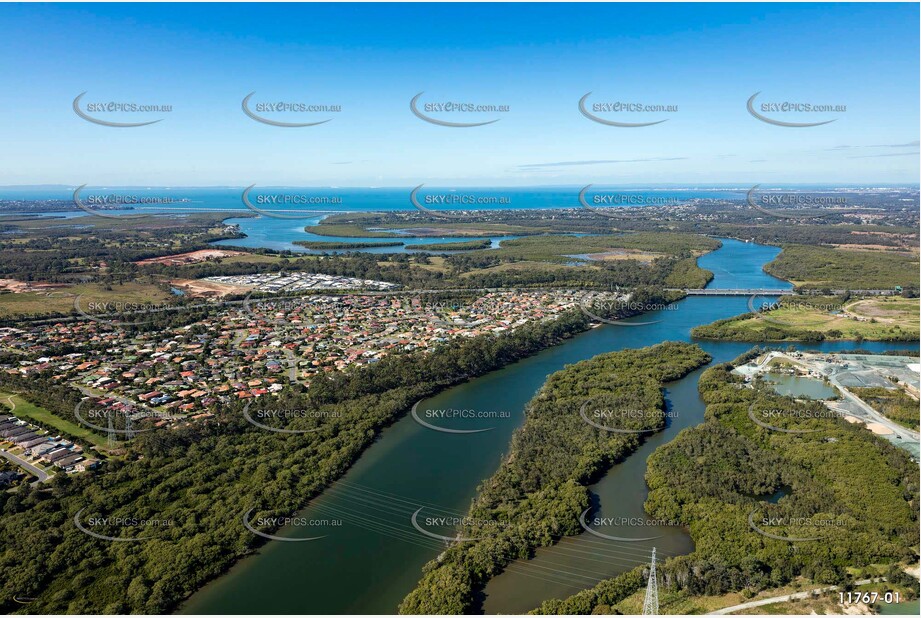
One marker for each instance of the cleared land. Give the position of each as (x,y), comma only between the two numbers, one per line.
(562,248)
(191,257)
(624,254)
(823,603)
(23,287)
(507,267)
(320,245)
(347,230)
(200,288)
(61,300)
(883,318)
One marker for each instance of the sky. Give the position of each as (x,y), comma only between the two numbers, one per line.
(539,60)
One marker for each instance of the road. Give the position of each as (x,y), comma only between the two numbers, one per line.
(902,432)
(734,292)
(787,597)
(22,463)
(41,474)
(292,364)
(359,292)
(870,414)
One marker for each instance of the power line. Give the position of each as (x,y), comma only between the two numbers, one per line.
(651,602)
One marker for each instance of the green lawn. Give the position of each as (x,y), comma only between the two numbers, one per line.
(23,409)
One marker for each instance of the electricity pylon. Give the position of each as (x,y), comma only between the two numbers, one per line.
(651,602)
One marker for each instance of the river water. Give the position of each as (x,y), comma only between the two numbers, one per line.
(374,558)
(279,233)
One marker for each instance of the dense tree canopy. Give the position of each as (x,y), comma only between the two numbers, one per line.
(202,477)
(540,489)
(852,491)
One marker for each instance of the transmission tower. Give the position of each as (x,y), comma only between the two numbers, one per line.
(651,602)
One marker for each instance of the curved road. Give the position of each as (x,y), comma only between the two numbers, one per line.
(788,597)
(871,414)
(902,432)
(41,474)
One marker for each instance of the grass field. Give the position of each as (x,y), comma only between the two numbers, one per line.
(26,410)
(249,258)
(62,300)
(436,264)
(517,267)
(884,318)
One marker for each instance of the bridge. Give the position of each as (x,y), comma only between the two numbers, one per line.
(772,292)
(736,292)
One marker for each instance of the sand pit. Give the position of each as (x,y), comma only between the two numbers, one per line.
(879,429)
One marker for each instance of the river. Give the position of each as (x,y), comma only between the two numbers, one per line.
(369,563)
(280,233)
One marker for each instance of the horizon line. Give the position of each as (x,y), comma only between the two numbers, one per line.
(699,186)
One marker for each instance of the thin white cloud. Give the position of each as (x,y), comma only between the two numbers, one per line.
(530,166)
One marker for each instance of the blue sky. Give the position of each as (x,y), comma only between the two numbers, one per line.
(538,59)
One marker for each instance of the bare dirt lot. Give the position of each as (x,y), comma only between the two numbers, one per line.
(199,288)
(21,287)
(884,310)
(192,257)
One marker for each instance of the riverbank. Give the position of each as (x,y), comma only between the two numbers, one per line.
(411,466)
(836,479)
(319,245)
(587,417)
(245,469)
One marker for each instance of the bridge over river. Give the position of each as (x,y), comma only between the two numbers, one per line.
(735,292)
(773,292)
